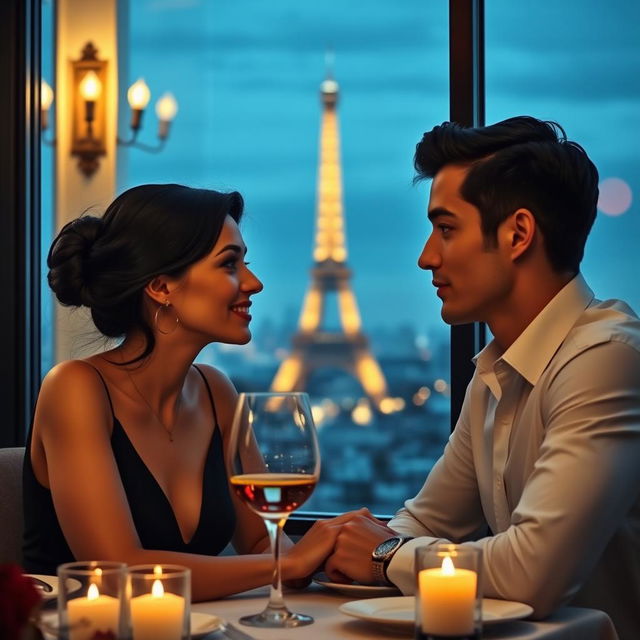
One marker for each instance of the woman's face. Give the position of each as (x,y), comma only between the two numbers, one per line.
(213,296)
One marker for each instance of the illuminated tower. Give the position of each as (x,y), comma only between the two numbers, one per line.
(315,347)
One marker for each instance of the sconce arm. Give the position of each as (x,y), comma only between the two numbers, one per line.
(132,142)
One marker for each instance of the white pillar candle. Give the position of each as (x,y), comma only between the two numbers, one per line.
(157,615)
(92,613)
(447,600)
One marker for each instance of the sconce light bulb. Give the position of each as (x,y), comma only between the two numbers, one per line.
(166,107)
(90,87)
(138,94)
(46,95)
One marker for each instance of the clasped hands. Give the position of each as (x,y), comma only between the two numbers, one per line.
(341,545)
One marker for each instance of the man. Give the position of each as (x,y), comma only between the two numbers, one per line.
(542,471)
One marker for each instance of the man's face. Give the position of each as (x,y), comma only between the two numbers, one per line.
(473,280)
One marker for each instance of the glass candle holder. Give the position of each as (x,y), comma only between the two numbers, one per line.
(159,602)
(91,600)
(448,593)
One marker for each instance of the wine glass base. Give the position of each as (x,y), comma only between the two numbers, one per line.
(278,619)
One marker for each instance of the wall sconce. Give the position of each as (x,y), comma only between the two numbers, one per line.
(138,97)
(88,136)
(89,118)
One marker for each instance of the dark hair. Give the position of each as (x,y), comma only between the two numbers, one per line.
(153,229)
(520,162)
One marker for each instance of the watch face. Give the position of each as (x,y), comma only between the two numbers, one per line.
(385,547)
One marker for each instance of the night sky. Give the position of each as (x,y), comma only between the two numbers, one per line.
(246,75)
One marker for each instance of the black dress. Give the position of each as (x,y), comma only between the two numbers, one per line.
(44,545)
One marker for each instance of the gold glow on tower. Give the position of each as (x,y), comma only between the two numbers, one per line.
(314,347)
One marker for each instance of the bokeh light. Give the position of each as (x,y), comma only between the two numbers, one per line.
(615,197)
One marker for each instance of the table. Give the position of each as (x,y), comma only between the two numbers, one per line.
(567,623)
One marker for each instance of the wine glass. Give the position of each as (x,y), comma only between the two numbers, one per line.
(274,463)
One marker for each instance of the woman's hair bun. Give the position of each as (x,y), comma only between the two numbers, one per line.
(69,261)
(150,230)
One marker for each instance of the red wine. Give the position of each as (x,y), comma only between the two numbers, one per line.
(273,494)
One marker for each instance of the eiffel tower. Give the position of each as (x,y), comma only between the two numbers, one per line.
(314,346)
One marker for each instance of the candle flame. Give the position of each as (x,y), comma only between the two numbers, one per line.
(98,572)
(157,570)
(447,566)
(93,593)
(157,591)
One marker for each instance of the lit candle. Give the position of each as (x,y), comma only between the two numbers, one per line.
(447,600)
(96,612)
(157,615)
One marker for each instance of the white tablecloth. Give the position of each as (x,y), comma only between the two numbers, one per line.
(568,623)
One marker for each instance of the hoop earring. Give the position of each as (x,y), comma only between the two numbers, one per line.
(156,317)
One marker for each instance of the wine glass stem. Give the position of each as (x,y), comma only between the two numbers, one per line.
(274,529)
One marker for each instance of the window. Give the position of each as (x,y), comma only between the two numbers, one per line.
(249,120)
(577,63)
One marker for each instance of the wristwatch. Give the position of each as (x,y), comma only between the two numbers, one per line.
(382,554)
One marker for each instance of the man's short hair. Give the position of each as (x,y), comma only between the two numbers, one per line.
(526,163)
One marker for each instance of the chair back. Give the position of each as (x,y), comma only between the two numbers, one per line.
(11,513)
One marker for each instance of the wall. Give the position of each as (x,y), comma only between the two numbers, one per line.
(79,21)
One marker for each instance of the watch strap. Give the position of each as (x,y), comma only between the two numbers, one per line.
(379,572)
(380,562)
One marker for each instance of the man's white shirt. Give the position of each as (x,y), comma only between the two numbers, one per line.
(546,452)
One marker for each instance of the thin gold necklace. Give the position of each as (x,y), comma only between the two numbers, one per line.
(153,413)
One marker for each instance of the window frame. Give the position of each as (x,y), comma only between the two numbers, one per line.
(20,45)
(20,31)
(466,107)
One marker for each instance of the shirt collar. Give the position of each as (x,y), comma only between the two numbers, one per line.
(535,346)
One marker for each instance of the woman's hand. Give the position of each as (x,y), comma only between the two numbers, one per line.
(302,560)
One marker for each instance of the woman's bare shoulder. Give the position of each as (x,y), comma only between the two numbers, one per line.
(71,390)
(218,380)
(224,393)
(73,376)
(70,371)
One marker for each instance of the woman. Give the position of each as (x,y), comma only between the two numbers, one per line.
(126,454)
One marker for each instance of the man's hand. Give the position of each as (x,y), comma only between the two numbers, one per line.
(355,542)
(302,560)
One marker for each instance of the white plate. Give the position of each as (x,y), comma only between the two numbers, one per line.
(54,583)
(400,612)
(355,589)
(201,624)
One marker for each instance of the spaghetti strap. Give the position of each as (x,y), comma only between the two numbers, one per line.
(106,388)
(206,384)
